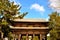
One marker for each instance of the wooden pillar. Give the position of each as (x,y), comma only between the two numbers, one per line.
(14,36)
(40,36)
(1,35)
(19,37)
(27,37)
(33,36)
(46,37)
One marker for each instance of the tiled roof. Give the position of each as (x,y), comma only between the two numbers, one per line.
(30,20)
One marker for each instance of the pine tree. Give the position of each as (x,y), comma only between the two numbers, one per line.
(8,10)
(55,25)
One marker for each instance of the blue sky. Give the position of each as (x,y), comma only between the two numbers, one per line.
(35,8)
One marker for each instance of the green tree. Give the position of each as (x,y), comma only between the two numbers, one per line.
(54,25)
(8,11)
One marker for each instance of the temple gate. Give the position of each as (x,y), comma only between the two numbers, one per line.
(30,29)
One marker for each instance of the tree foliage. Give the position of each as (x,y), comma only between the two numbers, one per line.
(8,11)
(54,25)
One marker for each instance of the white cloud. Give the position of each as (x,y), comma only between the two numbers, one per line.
(55,4)
(37,7)
(16,2)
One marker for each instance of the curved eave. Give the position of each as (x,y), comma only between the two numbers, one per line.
(46,28)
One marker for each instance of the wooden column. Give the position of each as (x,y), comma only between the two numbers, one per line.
(15,37)
(40,36)
(33,36)
(1,35)
(19,37)
(27,37)
(45,36)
